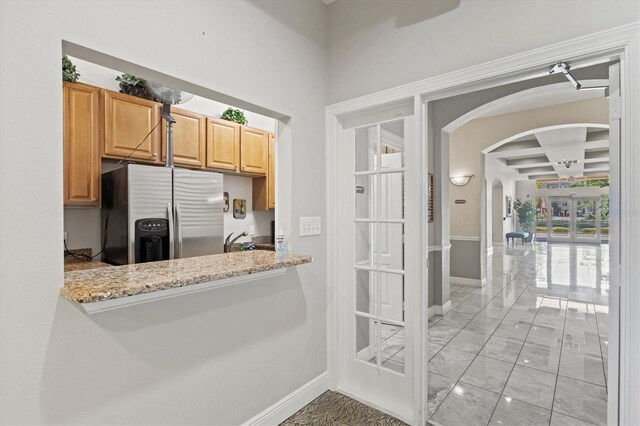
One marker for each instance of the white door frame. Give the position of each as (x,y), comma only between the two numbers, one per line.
(621,43)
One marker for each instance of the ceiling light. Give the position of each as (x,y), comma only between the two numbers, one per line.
(461,180)
(567,163)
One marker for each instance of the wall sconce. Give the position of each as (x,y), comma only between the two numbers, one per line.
(460,180)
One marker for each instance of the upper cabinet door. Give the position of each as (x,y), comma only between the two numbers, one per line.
(254,147)
(223,145)
(82,137)
(189,138)
(128,120)
(271,175)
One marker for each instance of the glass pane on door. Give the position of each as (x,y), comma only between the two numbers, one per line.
(541,218)
(561,218)
(603,216)
(366,149)
(586,216)
(365,201)
(379,245)
(392,348)
(367,340)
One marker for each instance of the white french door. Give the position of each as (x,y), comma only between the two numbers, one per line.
(376,347)
(574,220)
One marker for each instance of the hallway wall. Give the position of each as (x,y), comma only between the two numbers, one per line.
(497,213)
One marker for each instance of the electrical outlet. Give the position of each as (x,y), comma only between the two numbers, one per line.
(309,226)
(252,230)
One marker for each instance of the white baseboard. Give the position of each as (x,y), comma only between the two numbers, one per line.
(498,244)
(290,404)
(431,311)
(470,282)
(442,310)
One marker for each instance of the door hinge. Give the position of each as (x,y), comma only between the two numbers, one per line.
(615,108)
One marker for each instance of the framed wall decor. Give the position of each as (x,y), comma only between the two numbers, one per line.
(508,204)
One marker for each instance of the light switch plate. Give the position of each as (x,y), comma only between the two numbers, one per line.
(252,230)
(309,226)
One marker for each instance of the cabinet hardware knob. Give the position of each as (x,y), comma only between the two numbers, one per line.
(94,199)
(155,154)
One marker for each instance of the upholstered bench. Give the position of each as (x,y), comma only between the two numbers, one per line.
(524,236)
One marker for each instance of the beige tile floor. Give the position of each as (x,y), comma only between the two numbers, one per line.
(529,348)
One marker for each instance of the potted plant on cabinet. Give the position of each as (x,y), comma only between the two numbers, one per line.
(234,115)
(69,71)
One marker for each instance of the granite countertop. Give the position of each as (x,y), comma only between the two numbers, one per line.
(80,266)
(101,284)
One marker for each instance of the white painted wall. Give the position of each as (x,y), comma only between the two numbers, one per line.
(216,358)
(497,213)
(526,190)
(376,45)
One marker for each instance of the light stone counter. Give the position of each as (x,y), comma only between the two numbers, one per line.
(115,282)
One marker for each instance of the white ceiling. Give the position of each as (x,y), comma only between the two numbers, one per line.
(534,156)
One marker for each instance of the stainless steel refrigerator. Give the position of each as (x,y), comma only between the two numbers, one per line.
(157,213)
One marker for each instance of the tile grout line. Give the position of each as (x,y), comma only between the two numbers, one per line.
(604,370)
(564,327)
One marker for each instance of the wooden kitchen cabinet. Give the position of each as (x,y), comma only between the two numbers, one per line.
(223,145)
(189,138)
(271,172)
(254,148)
(264,188)
(127,120)
(82,136)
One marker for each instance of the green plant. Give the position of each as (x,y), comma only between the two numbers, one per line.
(134,86)
(234,115)
(69,71)
(526,214)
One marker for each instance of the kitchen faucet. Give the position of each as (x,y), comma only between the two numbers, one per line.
(228,244)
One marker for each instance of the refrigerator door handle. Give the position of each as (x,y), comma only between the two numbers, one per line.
(178,231)
(170,219)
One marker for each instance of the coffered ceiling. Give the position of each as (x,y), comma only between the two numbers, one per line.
(558,152)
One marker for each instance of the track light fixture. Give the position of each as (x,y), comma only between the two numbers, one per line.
(564,68)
